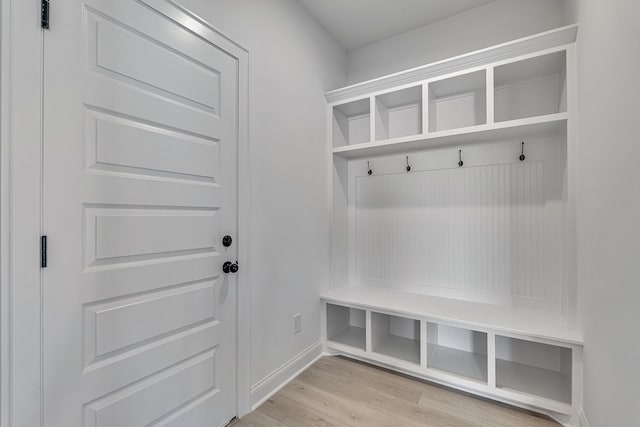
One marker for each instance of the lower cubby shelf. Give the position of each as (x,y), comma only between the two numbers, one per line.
(396,337)
(346,326)
(534,368)
(353,336)
(533,380)
(461,352)
(458,362)
(517,368)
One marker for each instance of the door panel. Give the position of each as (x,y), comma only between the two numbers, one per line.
(140,165)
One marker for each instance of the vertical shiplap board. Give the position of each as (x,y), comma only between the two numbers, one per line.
(476,228)
(482,232)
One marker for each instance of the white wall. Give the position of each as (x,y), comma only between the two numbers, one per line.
(293,61)
(608,207)
(497,22)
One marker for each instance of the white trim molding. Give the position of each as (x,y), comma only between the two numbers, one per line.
(272,383)
(20,197)
(582,418)
(5,120)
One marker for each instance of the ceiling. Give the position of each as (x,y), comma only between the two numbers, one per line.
(357,23)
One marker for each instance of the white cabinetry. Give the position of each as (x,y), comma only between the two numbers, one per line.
(452,223)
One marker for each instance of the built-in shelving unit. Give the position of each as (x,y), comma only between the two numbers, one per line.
(453,216)
(532,362)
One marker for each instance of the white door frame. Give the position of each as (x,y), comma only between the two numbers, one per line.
(21,130)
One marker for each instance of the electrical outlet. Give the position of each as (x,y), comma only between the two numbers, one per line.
(297,323)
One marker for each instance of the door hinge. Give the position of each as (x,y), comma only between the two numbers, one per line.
(43,251)
(44,14)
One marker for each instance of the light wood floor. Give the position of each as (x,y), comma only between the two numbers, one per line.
(337,391)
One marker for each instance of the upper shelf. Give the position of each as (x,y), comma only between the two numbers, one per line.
(516,97)
(523,46)
(542,126)
(533,323)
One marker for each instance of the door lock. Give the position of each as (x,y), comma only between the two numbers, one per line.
(230,267)
(227,241)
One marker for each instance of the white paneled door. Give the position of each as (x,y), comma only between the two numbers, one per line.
(140,176)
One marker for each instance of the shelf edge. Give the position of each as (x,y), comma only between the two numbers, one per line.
(430,140)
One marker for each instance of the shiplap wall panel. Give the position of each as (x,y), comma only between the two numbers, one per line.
(476,229)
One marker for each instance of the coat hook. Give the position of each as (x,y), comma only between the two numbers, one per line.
(460,163)
(369,171)
(522,156)
(408,166)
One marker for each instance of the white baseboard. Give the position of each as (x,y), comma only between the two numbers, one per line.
(582,417)
(272,383)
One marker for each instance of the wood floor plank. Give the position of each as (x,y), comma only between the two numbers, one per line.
(481,412)
(347,412)
(290,412)
(340,385)
(339,392)
(372,377)
(415,414)
(257,419)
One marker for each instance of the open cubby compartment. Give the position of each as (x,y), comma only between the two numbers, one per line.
(346,325)
(458,102)
(534,368)
(462,352)
(532,87)
(399,113)
(397,337)
(352,123)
